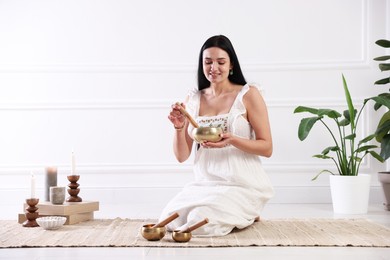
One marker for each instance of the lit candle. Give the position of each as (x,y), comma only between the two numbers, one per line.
(32,185)
(73,170)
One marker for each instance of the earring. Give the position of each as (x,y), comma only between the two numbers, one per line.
(231,72)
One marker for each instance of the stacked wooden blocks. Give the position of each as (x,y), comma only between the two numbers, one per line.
(74,212)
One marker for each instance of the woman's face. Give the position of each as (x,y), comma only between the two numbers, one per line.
(216,64)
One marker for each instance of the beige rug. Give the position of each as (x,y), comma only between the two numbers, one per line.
(126,233)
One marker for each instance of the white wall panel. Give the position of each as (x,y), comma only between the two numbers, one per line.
(99,77)
(102,33)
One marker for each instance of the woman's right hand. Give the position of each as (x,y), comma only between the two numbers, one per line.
(176,117)
(182,142)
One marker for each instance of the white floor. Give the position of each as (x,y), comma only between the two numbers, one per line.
(376,213)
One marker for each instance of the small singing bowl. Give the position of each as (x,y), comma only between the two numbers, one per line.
(181,236)
(206,133)
(153,233)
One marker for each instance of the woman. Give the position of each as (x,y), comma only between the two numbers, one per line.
(230,186)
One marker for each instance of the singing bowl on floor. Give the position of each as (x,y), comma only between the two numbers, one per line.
(181,236)
(153,233)
(204,133)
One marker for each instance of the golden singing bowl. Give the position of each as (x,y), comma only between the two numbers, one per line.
(205,133)
(152,234)
(181,236)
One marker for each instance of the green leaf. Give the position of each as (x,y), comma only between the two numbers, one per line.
(330,148)
(385,95)
(305,126)
(367,139)
(302,109)
(382,81)
(384,66)
(383,127)
(385,147)
(319,112)
(377,156)
(350,137)
(321,172)
(322,156)
(382,130)
(365,148)
(344,122)
(382,58)
(381,100)
(347,115)
(350,104)
(329,113)
(383,43)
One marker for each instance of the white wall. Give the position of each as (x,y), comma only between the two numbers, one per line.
(98,76)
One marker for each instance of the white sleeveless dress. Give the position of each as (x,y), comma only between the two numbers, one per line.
(230,187)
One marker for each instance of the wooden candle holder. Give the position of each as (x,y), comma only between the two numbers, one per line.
(31,213)
(73,189)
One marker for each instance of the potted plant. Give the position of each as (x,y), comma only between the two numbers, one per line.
(349,189)
(383,129)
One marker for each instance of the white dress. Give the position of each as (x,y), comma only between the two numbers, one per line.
(230,186)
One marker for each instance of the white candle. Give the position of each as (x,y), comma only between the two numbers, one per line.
(32,185)
(73,170)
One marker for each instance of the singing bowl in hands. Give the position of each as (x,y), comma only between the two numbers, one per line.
(207,133)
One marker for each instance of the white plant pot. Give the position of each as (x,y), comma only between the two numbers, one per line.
(350,194)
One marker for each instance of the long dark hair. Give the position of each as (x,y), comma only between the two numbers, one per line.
(224,43)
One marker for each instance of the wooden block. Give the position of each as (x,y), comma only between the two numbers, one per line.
(66,209)
(70,219)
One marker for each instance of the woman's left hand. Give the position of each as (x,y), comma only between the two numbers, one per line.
(226,140)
